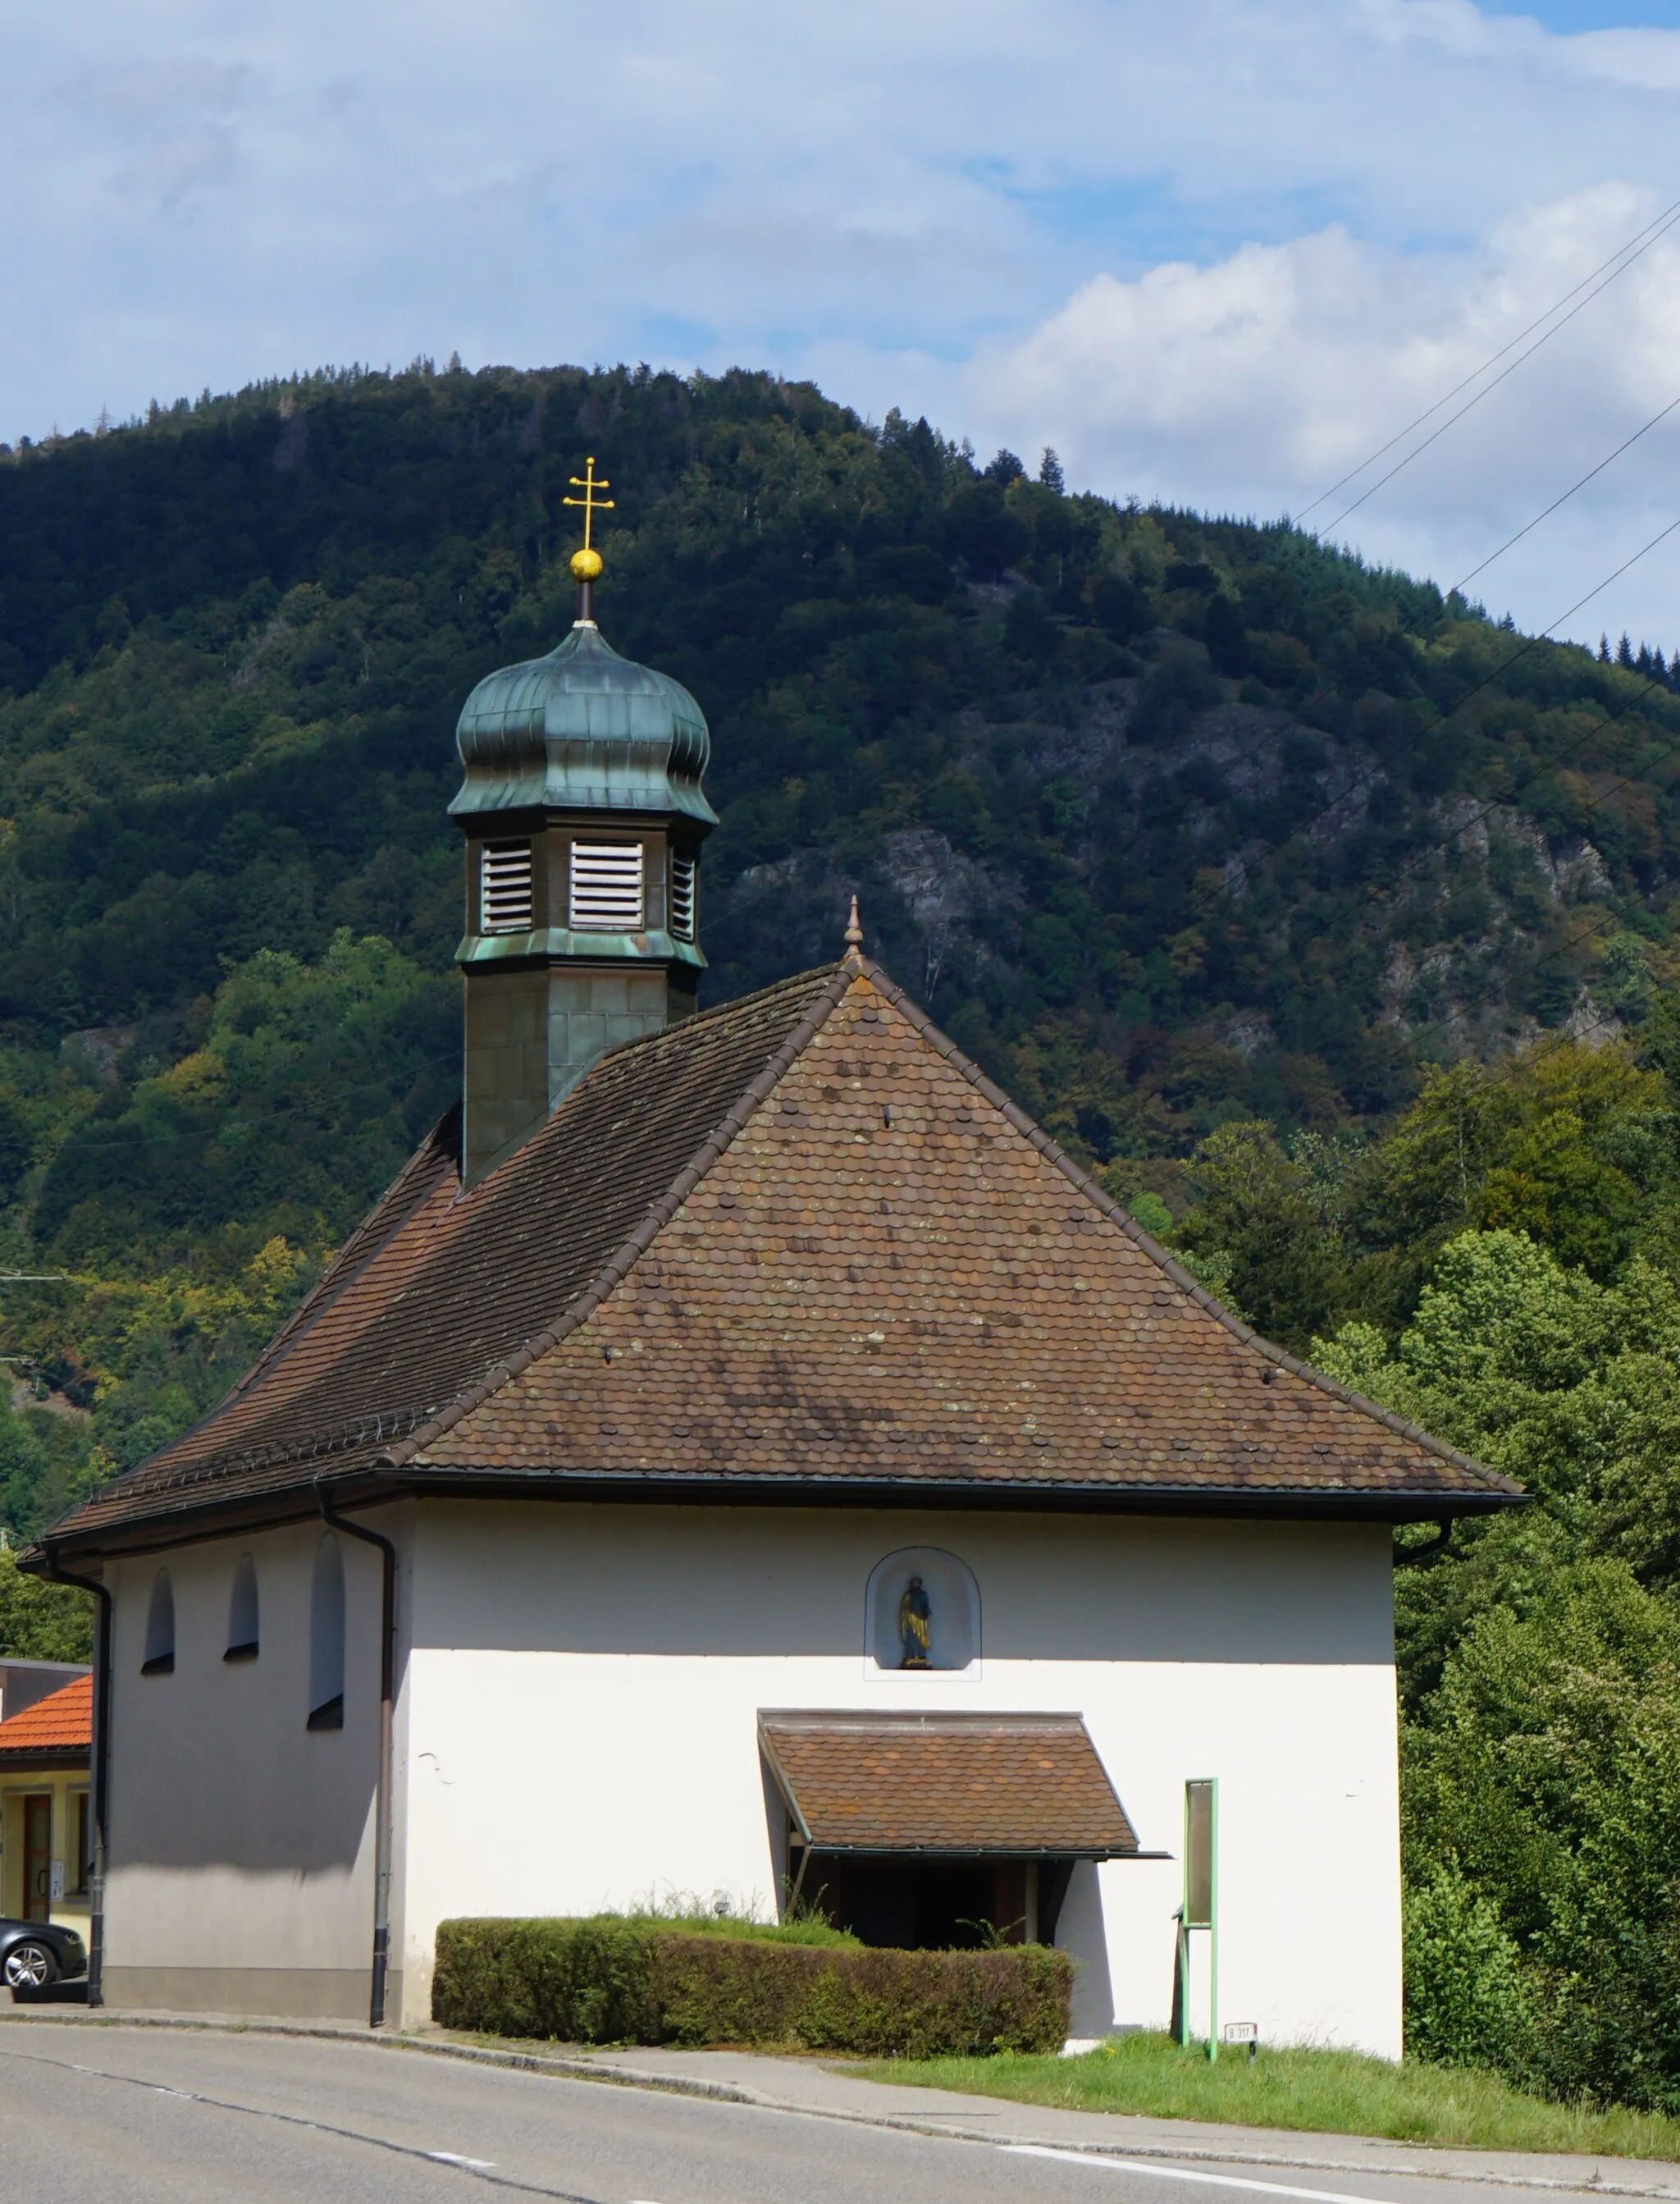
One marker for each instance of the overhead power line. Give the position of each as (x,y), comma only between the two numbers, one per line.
(1568,494)
(1641,239)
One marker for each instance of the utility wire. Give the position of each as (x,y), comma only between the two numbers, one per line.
(1658,224)
(1262,742)
(1567,494)
(1487,389)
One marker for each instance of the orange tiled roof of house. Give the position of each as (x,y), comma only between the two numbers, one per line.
(797,1244)
(60,1722)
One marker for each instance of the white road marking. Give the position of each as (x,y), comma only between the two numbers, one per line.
(1180,2173)
(454,2158)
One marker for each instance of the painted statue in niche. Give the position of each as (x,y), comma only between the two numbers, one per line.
(916,1625)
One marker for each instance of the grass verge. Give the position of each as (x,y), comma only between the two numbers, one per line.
(1332,2092)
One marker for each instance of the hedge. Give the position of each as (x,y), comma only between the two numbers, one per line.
(619,1979)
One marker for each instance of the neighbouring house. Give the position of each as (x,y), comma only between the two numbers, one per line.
(23,1682)
(46,1830)
(743,1456)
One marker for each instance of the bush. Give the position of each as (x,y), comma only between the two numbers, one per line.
(621,1978)
(1467,2002)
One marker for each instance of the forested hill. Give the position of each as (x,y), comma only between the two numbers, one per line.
(1173,822)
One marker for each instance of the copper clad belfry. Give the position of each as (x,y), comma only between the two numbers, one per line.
(583,815)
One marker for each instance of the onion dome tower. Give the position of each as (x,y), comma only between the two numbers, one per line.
(583,815)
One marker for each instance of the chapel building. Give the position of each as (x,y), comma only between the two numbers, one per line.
(743,1459)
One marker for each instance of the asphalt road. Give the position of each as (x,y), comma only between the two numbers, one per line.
(132,2116)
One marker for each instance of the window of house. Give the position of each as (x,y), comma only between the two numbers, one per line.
(606,884)
(160,1628)
(683,898)
(506,894)
(326,1637)
(242,1623)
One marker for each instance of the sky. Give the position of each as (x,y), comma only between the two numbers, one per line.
(1214,253)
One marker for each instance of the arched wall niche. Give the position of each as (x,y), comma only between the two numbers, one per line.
(160,1628)
(326,1637)
(242,1627)
(953,1600)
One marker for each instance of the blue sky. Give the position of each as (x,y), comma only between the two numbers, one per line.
(1214,254)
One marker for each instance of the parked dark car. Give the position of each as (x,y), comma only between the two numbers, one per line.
(34,1953)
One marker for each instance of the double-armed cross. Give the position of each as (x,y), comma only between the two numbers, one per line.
(591,504)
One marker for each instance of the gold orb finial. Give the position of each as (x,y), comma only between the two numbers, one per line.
(586,566)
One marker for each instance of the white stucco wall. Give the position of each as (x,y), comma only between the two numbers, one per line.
(240,1871)
(583,1685)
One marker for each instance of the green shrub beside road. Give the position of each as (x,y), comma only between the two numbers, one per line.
(624,1979)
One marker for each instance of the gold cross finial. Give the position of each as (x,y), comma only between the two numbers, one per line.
(586,563)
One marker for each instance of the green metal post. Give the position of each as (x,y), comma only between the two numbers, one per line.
(1213,1922)
(1184,1936)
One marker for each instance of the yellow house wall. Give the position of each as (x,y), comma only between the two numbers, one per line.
(64,1784)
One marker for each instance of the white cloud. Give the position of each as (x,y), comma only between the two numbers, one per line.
(1254,384)
(1208,248)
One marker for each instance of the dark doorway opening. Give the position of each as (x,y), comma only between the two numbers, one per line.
(38,1857)
(925,1904)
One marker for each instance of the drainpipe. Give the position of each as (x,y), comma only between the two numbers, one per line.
(98,1767)
(388,1671)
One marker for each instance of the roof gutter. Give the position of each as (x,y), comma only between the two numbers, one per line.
(387,1481)
(382,1806)
(98,1767)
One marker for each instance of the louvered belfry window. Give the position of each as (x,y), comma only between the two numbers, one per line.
(683,898)
(505,887)
(607,887)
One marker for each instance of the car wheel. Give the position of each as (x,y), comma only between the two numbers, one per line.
(30,1966)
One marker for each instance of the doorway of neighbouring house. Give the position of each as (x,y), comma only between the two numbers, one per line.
(38,1857)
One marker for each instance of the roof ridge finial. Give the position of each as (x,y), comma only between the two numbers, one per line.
(854,937)
(586,565)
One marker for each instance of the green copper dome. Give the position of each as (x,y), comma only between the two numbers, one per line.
(581,729)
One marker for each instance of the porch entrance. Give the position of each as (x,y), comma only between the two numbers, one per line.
(935,1832)
(926,1904)
(38,1855)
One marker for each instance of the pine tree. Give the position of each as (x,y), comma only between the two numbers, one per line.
(1050,472)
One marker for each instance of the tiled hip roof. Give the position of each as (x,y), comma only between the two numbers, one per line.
(946,1783)
(797,1244)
